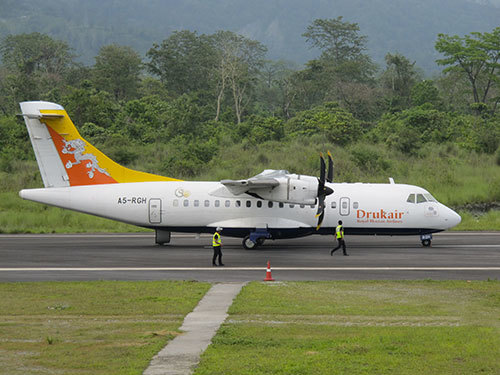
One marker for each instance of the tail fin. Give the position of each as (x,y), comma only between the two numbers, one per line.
(65,158)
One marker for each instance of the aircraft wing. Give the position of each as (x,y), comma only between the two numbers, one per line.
(238,187)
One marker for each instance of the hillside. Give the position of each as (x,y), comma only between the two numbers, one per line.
(408,27)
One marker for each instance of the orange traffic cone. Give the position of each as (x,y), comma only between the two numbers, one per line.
(269,277)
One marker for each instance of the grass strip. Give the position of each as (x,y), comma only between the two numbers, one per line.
(102,327)
(359,327)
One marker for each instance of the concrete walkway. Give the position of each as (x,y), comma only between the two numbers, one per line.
(182,354)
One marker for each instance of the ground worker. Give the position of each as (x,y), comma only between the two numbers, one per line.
(339,234)
(217,245)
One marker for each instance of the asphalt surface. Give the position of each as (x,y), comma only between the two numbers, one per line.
(464,256)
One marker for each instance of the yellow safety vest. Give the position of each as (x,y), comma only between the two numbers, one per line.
(339,231)
(216,239)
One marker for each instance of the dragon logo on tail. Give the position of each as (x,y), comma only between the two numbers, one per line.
(76,148)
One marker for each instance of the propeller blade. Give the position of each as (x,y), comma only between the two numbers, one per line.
(329,176)
(321,205)
(322,170)
(320,220)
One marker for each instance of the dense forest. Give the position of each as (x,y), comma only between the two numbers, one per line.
(409,27)
(212,106)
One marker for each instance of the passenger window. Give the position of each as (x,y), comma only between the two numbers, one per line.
(237,203)
(281,204)
(355,205)
(270,204)
(207,203)
(334,204)
(411,198)
(196,203)
(249,204)
(175,203)
(421,198)
(217,203)
(259,204)
(227,203)
(185,203)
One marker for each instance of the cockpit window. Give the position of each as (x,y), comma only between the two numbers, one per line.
(411,198)
(421,198)
(430,198)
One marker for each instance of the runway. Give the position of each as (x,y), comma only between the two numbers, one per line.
(453,255)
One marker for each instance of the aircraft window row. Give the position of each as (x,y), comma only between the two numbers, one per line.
(420,198)
(237,203)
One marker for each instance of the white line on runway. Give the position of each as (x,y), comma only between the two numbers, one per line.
(471,246)
(62,269)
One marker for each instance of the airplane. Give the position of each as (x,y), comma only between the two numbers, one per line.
(274,204)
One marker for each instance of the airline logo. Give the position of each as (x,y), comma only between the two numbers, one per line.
(83,168)
(76,148)
(380,216)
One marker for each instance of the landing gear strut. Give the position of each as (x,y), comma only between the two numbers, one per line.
(426,239)
(255,239)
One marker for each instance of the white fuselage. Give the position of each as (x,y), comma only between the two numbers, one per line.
(201,206)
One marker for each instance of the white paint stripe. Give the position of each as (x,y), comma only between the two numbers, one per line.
(471,246)
(63,269)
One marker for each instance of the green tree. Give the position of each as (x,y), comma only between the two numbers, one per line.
(88,105)
(116,70)
(35,63)
(425,92)
(342,73)
(238,63)
(476,56)
(338,40)
(184,62)
(329,120)
(399,78)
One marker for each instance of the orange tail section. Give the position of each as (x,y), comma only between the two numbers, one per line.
(83,164)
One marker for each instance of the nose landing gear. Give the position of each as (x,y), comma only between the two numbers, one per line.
(426,239)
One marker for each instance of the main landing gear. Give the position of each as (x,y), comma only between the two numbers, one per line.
(162,237)
(255,239)
(426,239)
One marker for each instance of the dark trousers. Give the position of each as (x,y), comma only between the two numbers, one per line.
(341,244)
(217,253)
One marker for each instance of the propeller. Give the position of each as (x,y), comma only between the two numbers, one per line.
(329,176)
(323,190)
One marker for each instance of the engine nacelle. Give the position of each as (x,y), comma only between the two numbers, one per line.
(296,189)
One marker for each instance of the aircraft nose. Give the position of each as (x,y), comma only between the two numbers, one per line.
(452,218)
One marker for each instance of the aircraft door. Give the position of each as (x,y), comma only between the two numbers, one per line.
(344,206)
(155,211)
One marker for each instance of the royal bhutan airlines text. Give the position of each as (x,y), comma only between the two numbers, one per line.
(381,216)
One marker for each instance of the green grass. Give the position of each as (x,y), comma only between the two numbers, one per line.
(480,222)
(90,327)
(379,327)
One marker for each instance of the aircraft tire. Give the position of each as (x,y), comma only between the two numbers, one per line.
(249,244)
(426,243)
